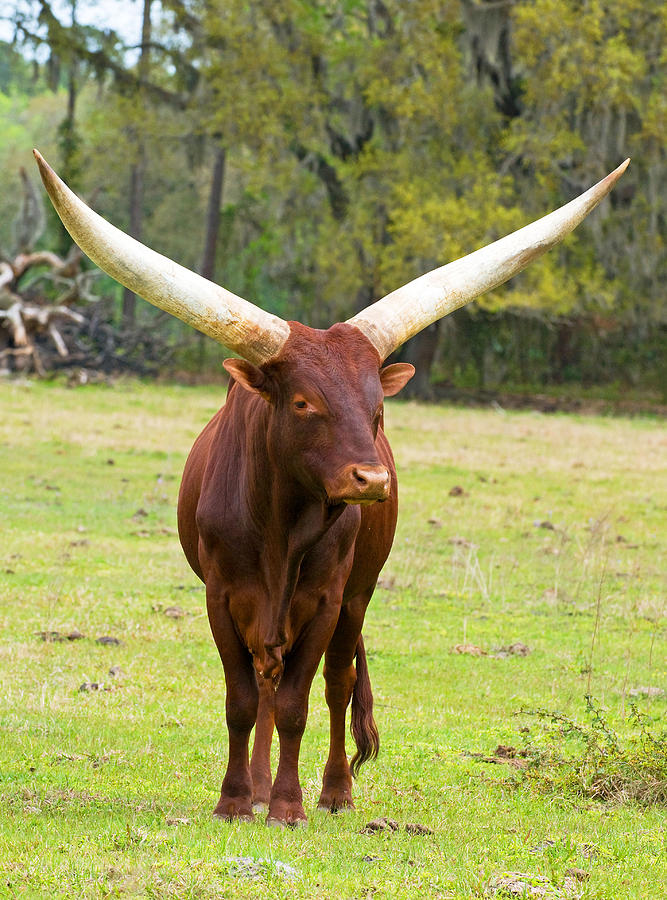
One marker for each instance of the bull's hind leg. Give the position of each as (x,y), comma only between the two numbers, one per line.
(343,682)
(241,711)
(260,763)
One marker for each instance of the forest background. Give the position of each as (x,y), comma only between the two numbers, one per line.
(313,156)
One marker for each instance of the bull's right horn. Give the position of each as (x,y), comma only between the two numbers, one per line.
(230,320)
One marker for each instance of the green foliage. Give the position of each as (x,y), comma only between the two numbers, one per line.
(594,86)
(368,142)
(605,765)
(23,120)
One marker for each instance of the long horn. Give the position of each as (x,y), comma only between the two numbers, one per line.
(230,320)
(406,311)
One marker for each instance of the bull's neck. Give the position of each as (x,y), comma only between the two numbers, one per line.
(289,520)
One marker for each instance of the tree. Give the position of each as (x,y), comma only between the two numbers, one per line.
(138,164)
(314,156)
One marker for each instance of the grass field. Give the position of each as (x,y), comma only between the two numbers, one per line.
(513,528)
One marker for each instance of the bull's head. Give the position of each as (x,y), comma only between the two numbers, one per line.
(326,392)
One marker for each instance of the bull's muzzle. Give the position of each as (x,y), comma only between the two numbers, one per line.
(360,484)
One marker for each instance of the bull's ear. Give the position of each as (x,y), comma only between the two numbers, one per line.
(248,376)
(394,378)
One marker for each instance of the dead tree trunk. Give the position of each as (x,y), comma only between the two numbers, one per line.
(137,170)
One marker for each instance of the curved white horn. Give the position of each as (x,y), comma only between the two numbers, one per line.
(406,311)
(243,327)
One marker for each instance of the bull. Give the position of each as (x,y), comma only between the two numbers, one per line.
(288,503)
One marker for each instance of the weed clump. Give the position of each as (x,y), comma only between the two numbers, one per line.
(593,760)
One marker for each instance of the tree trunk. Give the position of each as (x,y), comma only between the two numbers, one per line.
(67,139)
(420,351)
(563,352)
(207,268)
(137,170)
(136,209)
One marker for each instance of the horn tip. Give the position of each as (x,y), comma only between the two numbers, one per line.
(49,178)
(44,168)
(616,174)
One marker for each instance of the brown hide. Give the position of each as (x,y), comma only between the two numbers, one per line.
(278,515)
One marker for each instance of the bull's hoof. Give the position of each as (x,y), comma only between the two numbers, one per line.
(272,822)
(260,806)
(335,802)
(291,815)
(233,809)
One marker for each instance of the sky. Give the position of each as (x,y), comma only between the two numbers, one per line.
(124,16)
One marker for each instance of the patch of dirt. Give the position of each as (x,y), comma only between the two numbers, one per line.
(381,824)
(503,754)
(254,868)
(389,826)
(549,526)
(577,874)
(171,612)
(556,595)
(417,828)
(468,650)
(646,691)
(388,583)
(543,845)
(68,757)
(91,686)
(53,637)
(457,491)
(175,612)
(523,884)
(107,641)
(461,542)
(515,649)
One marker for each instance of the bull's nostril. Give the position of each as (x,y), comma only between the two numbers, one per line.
(359,478)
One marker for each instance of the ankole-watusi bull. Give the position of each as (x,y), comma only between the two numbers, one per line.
(288,503)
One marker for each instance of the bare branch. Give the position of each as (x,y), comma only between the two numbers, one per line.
(6,274)
(15,322)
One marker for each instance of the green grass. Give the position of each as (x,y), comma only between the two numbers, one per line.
(90,781)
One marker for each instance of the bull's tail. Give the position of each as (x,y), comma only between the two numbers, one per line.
(363,727)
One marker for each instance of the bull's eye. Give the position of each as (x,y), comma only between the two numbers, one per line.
(300,404)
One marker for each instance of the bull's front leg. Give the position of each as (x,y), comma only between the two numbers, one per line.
(291,712)
(240,707)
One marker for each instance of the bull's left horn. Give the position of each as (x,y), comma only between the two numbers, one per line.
(406,311)
(243,327)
